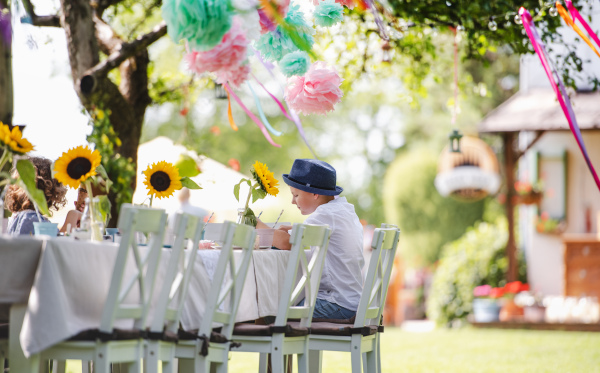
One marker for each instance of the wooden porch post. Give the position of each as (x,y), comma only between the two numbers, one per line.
(509,168)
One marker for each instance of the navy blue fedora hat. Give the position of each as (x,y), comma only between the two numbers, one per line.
(313,176)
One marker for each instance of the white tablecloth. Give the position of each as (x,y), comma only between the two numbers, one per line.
(72,279)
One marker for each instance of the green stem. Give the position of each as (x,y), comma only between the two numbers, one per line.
(151,199)
(4,158)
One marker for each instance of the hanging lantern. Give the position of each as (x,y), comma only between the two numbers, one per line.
(220,92)
(385,48)
(455,137)
(470,174)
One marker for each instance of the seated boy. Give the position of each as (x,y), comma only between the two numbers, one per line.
(312,183)
(74,216)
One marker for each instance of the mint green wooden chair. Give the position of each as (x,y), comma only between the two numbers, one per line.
(162,334)
(106,345)
(362,337)
(206,348)
(284,339)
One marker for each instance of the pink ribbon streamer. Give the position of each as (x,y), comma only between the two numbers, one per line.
(576,15)
(260,125)
(292,114)
(285,113)
(559,90)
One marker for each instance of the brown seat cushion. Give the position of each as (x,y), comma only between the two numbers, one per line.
(165,335)
(330,328)
(190,335)
(116,335)
(3,331)
(292,329)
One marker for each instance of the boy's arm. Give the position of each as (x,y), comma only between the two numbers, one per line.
(281,237)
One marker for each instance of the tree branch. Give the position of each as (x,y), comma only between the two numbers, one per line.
(43,21)
(108,40)
(126,50)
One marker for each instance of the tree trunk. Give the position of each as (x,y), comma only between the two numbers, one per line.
(6,81)
(509,168)
(128,102)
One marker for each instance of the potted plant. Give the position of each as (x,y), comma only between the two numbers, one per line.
(528,193)
(485,305)
(511,311)
(546,224)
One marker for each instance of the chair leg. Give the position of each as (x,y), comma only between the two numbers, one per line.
(61,366)
(277,358)
(356,360)
(315,361)
(263,362)
(86,366)
(167,366)
(371,362)
(303,362)
(378,345)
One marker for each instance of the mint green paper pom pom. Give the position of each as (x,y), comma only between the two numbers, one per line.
(295,63)
(201,22)
(276,44)
(328,13)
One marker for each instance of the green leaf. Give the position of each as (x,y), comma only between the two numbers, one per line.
(187,166)
(258,194)
(27,175)
(104,206)
(189,183)
(102,172)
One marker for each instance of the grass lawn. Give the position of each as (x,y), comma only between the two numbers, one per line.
(464,351)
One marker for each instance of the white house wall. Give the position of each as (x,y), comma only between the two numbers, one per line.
(544,252)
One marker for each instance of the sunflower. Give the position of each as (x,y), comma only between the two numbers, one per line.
(76,166)
(162,179)
(14,139)
(265,178)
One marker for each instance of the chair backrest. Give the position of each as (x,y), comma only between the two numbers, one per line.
(213,231)
(150,222)
(315,237)
(372,300)
(169,305)
(227,290)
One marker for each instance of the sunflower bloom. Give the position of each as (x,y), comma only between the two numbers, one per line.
(265,178)
(76,166)
(162,179)
(14,139)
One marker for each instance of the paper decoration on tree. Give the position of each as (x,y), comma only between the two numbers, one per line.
(295,63)
(328,13)
(557,86)
(201,22)
(316,92)
(350,4)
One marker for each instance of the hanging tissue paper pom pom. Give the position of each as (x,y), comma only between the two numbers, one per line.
(350,4)
(328,13)
(317,92)
(295,63)
(274,45)
(201,22)
(234,77)
(225,56)
(268,18)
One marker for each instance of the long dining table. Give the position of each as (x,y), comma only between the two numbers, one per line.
(55,288)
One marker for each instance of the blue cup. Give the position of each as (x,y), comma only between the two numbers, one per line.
(45,229)
(112,232)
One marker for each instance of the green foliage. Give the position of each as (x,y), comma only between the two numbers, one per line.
(120,171)
(477,258)
(427,220)
(27,181)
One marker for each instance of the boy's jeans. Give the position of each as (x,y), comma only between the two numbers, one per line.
(328,310)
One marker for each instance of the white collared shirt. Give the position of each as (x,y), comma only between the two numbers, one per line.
(341,281)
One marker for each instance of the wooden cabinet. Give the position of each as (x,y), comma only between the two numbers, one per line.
(582,265)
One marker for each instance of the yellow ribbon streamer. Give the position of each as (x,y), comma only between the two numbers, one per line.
(230,114)
(569,21)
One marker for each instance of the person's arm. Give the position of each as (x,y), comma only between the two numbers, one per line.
(72,218)
(281,237)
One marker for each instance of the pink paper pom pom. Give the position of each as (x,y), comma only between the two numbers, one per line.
(316,92)
(227,55)
(234,77)
(350,4)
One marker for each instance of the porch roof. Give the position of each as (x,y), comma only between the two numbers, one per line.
(538,110)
